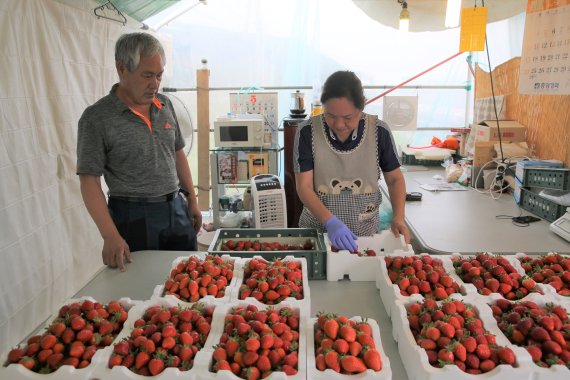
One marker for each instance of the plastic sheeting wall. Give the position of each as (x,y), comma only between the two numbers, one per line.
(55,60)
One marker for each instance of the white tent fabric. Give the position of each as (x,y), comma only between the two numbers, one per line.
(56,59)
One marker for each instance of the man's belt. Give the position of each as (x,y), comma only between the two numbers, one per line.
(161,198)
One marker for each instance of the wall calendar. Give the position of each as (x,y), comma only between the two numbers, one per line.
(545,61)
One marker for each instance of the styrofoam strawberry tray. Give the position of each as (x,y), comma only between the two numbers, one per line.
(230,288)
(101,359)
(313,373)
(554,372)
(547,288)
(390,293)
(448,265)
(416,360)
(65,372)
(363,268)
(204,357)
(305,301)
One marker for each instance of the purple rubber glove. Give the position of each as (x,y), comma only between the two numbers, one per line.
(339,234)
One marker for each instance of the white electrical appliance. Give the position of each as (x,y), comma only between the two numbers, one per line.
(269,205)
(561,226)
(239,132)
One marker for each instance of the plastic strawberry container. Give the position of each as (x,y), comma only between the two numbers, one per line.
(314,374)
(305,301)
(416,360)
(390,293)
(363,268)
(204,357)
(448,263)
(65,372)
(546,287)
(101,360)
(230,288)
(553,372)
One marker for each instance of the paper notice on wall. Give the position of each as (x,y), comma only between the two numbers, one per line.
(545,61)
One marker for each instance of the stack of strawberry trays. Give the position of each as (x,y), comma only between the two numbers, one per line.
(251,342)
(414,278)
(200,277)
(363,264)
(75,336)
(342,348)
(261,282)
(162,338)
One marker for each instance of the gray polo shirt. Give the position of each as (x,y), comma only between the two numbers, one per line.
(137,157)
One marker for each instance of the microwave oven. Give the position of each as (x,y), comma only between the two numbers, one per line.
(239,132)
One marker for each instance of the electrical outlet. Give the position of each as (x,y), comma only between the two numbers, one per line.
(500,175)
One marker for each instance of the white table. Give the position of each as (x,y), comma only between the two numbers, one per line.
(465,222)
(150,268)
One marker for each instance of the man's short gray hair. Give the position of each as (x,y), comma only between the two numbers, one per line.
(130,47)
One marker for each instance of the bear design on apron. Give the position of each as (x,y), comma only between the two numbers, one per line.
(346,182)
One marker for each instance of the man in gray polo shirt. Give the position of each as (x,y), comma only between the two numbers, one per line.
(132,138)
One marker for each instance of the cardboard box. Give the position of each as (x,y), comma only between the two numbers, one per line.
(511,131)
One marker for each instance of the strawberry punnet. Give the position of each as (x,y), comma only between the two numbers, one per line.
(252,346)
(193,279)
(272,282)
(543,331)
(494,274)
(452,334)
(164,337)
(420,274)
(72,337)
(345,346)
(552,269)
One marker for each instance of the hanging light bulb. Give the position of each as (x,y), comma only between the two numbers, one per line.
(452,13)
(404,17)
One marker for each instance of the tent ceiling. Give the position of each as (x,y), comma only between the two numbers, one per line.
(429,15)
(141,10)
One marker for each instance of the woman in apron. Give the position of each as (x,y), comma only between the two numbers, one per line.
(339,157)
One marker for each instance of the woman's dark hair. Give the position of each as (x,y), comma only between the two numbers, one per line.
(344,84)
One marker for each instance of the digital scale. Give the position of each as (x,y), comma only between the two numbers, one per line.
(561,226)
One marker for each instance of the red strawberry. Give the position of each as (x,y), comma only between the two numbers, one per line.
(352,364)
(341,346)
(506,355)
(155,366)
(331,328)
(16,354)
(487,365)
(460,352)
(432,333)
(372,359)
(551,347)
(332,360)
(539,334)
(48,341)
(141,359)
(483,351)
(348,333)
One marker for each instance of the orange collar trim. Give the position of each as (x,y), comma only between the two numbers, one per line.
(157,103)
